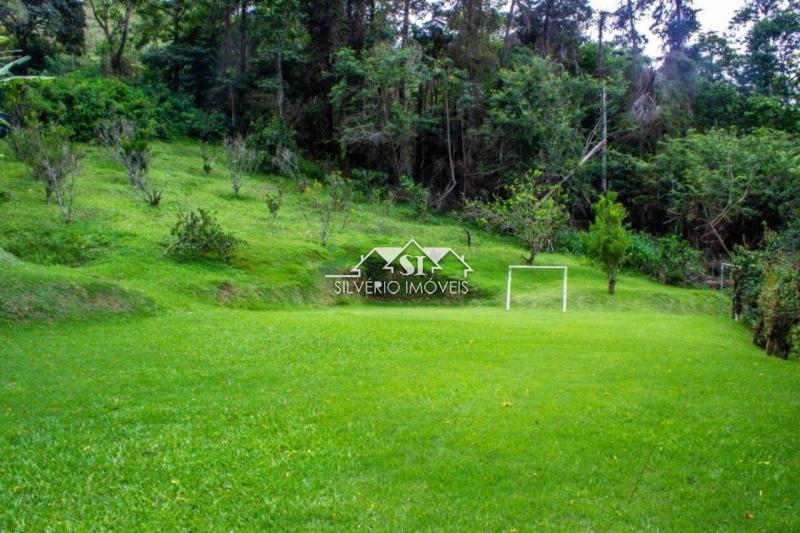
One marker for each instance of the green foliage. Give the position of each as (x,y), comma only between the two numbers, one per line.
(720,183)
(51,160)
(533,212)
(779,307)
(371,115)
(274,142)
(130,145)
(418,197)
(371,184)
(79,103)
(766,292)
(82,102)
(241,161)
(274,202)
(608,241)
(198,235)
(326,207)
(668,259)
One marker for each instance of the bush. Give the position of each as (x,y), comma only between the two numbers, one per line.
(131,147)
(241,160)
(766,292)
(271,141)
(76,102)
(198,235)
(51,160)
(83,103)
(417,195)
(668,259)
(178,117)
(274,202)
(371,184)
(779,308)
(326,207)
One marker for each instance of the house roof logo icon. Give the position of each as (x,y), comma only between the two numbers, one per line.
(390,254)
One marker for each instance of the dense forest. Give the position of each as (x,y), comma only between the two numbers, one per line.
(479,107)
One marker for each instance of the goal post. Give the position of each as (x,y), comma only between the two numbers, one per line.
(531,267)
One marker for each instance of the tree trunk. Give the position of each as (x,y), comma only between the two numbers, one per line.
(506,36)
(612,283)
(406,23)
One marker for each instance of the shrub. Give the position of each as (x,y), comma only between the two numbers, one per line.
(198,235)
(326,207)
(607,241)
(178,117)
(241,160)
(417,195)
(83,101)
(131,147)
(273,141)
(677,262)
(208,160)
(766,292)
(81,104)
(274,202)
(52,160)
(668,259)
(779,308)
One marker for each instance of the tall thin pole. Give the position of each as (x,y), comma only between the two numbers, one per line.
(508,291)
(605,141)
(564,296)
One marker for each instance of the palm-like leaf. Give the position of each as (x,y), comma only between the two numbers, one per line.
(6,69)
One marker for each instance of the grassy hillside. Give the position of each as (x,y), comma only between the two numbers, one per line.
(645,410)
(121,240)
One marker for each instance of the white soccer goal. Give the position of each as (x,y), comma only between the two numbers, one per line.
(530,267)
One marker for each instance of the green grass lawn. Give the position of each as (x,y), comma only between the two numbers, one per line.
(141,393)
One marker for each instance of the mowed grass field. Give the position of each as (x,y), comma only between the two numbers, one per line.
(141,393)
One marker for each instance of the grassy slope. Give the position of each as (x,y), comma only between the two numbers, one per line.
(661,416)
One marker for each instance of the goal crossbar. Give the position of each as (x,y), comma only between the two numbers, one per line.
(531,267)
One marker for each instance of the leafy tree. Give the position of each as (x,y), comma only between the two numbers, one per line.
(41,28)
(773,45)
(115,18)
(327,207)
(554,28)
(370,115)
(720,184)
(608,241)
(533,212)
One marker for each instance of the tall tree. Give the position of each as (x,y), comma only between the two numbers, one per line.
(40,28)
(114,17)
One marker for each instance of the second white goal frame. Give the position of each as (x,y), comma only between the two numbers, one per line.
(531,267)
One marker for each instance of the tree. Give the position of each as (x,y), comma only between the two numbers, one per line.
(719,187)
(372,121)
(554,28)
(607,241)
(241,160)
(40,28)
(114,17)
(533,212)
(773,44)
